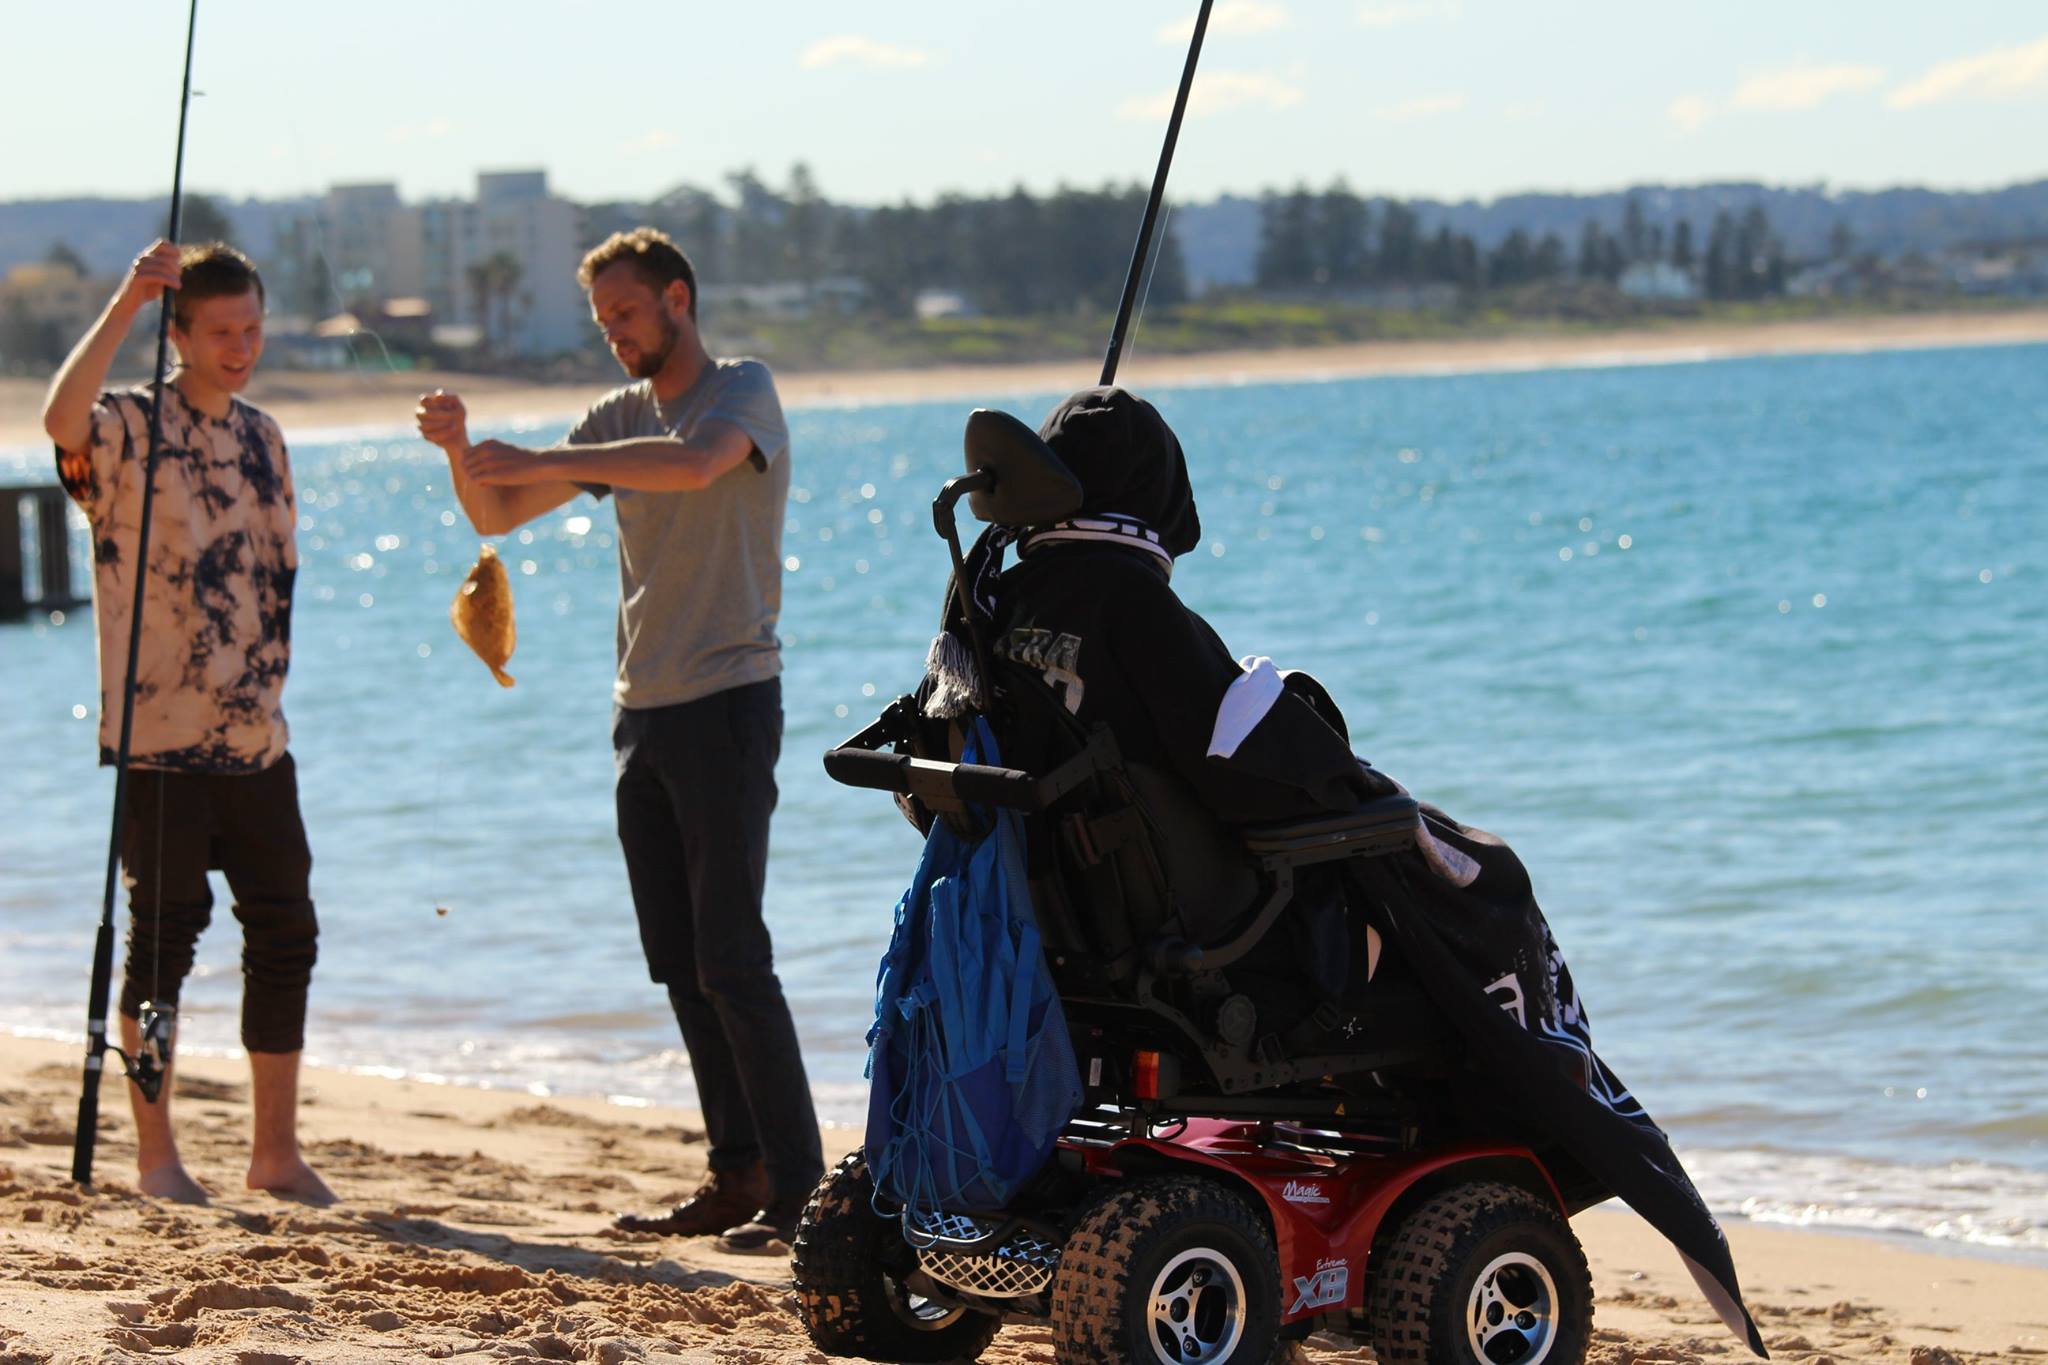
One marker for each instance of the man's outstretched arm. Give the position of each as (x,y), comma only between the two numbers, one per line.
(493,509)
(652,464)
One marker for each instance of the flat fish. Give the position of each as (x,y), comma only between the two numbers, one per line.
(482,613)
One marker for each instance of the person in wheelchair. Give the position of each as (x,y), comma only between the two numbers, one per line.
(1090,608)
(1219,749)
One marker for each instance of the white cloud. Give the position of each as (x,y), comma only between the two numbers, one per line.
(852,47)
(2000,74)
(1690,111)
(1429,106)
(408,132)
(1237,17)
(1393,13)
(1803,87)
(657,140)
(1218,92)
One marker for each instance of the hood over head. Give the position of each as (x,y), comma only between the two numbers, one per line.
(1128,461)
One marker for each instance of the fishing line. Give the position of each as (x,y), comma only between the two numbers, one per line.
(311,230)
(1151,274)
(1140,253)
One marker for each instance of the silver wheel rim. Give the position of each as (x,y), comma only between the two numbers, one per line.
(1195,1312)
(926,1315)
(1511,1318)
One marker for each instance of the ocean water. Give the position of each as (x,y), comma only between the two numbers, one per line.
(1748,659)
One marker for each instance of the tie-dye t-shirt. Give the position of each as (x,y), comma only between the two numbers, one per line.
(216,612)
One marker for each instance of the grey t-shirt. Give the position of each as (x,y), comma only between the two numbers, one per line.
(700,574)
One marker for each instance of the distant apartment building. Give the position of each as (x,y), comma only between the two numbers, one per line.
(505,263)
(45,306)
(369,243)
(1659,280)
(49,291)
(501,267)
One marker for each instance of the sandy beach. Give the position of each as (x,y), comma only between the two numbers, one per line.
(475,1224)
(314,401)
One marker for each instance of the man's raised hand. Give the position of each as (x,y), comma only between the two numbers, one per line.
(154,271)
(443,421)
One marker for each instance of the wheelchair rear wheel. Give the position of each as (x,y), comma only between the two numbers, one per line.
(1172,1271)
(1480,1274)
(849,1265)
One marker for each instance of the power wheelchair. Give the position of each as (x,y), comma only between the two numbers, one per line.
(1248,1165)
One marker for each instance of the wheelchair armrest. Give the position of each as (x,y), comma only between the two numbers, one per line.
(949,786)
(1377,827)
(939,785)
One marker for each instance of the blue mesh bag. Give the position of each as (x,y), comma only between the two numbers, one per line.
(971,1072)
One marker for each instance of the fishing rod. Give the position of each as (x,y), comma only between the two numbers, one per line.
(146,1069)
(979,480)
(1138,255)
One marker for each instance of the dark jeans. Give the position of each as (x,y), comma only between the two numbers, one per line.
(177,826)
(696,788)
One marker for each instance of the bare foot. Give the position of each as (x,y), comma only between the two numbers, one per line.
(291,1179)
(170,1181)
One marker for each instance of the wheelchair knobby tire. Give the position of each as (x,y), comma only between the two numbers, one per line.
(1452,1260)
(1142,1243)
(847,1266)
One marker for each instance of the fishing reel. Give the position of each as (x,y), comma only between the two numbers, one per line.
(152,1059)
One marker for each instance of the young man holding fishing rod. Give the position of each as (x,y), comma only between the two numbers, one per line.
(211,785)
(695,455)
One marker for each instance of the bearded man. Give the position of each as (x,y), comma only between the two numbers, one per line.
(695,456)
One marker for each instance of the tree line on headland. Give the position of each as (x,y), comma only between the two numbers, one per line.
(1337,240)
(1021,254)
(1018,275)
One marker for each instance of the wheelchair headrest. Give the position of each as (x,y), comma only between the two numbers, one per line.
(1032,487)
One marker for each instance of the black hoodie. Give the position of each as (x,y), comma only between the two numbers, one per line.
(1101,623)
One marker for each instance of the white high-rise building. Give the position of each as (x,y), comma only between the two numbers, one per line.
(506,264)
(369,243)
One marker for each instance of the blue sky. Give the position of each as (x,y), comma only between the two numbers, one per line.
(1446,98)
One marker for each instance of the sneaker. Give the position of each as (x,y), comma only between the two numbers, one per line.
(770,1231)
(723,1197)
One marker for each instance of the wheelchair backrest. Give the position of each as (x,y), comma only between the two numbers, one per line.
(1127,858)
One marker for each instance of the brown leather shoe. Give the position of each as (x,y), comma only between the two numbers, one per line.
(725,1198)
(772,1231)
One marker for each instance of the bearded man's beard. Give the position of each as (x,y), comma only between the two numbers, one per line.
(651,361)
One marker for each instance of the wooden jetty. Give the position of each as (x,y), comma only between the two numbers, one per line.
(35,532)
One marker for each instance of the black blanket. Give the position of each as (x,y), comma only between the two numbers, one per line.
(1485,956)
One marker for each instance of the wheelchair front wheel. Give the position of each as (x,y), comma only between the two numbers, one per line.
(1480,1274)
(848,1267)
(1172,1271)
